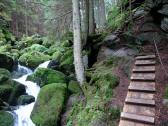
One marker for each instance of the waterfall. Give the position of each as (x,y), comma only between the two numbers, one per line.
(23,112)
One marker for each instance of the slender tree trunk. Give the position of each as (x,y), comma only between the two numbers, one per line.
(91,17)
(26,21)
(130,10)
(102,13)
(79,68)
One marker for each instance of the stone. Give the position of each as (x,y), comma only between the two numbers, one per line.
(74,87)
(43,76)
(25,99)
(111,40)
(49,105)
(6,119)
(164,24)
(54,64)
(6,62)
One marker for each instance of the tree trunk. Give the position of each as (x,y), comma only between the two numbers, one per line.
(26,21)
(102,13)
(79,68)
(91,17)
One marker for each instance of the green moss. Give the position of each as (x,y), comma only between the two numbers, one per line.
(6,119)
(4,75)
(33,59)
(74,87)
(49,105)
(44,76)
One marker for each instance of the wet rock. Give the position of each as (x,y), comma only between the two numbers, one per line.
(6,62)
(25,99)
(164,24)
(54,64)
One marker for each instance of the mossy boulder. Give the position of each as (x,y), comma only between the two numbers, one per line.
(44,76)
(6,119)
(28,41)
(33,59)
(25,99)
(74,87)
(6,62)
(49,105)
(4,75)
(10,90)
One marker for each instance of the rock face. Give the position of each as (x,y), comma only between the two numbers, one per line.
(111,40)
(164,10)
(6,119)
(6,62)
(33,59)
(49,105)
(44,76)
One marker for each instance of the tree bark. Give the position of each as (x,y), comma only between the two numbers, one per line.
(91,17)
(26,21)
(102,13)
(79,68)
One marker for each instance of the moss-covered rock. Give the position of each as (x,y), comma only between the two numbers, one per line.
(6,119)
(44,76)
(6,62)
(33,59)
(74,87)
(4,75)
(49,105)
(10,90)
(25,99)
(28,41)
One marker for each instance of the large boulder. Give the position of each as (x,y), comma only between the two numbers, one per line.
(44,76)
(74,87)
(6,62)
(164,24)
(33,59)
(49,105)
(9,90)
(6,119)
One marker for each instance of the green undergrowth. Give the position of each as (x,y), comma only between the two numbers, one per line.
(98,92)
(166,93)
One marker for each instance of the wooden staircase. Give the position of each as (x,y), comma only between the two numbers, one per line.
(139,106)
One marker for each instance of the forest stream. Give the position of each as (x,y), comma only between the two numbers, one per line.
(22,113)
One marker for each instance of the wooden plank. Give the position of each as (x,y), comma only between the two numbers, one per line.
(140,95)
(146,102)
(139,110)
(143,69)
(145,57)
(145,87)
(144,62)
(131,123)
(143,76)
(138,118)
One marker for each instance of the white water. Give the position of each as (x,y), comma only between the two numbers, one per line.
(24,111)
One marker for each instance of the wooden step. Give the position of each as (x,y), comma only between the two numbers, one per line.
(143,77)
(146,102)
(144,69)
(140,95)
(139,110)
(145,57)
(142,86)
(144,62)
(131,123)
(138,118)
